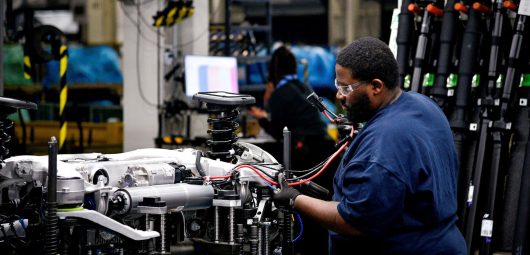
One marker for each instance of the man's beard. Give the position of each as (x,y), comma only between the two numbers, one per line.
(361,110)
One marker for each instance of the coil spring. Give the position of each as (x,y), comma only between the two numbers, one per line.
(52,227)
(222,132)
(5,125)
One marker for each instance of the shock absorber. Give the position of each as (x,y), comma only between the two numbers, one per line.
(222,131)
(223,112)
(7,107)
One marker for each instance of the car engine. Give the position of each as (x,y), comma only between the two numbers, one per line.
(149,201)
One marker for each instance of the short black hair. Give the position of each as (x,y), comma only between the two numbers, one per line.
(369,58)
(282,63)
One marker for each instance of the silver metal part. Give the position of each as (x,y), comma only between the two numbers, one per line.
(266,235)
(216,224)
(148,175)
(231,225)
(70,191)
(227,203)
(109,223)
(162,233)
(14,229)
(260,241)
(179,197)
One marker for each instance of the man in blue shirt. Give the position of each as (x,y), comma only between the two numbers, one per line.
(395,189)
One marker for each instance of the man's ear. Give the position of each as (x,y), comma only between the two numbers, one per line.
(377,86)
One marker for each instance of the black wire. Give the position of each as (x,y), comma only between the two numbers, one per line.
(128,16)
(180,46)
(307,172)
(310,169)
(142,18)
(315,169)
(139,81)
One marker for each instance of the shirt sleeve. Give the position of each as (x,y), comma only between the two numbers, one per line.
(373,197)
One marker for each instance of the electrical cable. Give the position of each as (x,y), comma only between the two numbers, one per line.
(329,117)
(342,148)
(138,76)
(301,228)
(261,175)
(128,16)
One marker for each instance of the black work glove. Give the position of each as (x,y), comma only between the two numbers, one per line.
(286,195)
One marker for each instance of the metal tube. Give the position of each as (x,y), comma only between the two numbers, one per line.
(231,225)
(260,241)
(177,196)
(266,234)
(52,222)
(162,233)
(147,227)
(216,224)
(287,151)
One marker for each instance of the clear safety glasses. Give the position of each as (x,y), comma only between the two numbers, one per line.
(347,89)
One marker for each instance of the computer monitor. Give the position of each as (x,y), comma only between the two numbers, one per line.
(206,73)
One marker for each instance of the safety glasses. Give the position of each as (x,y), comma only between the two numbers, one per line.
(347,89)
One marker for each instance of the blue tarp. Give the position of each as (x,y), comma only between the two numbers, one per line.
(321,65)
(99,64)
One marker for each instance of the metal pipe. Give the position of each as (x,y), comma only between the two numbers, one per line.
(231,225)
(177,196)
(52,222)
(287,151)
(216,224)
(162,233)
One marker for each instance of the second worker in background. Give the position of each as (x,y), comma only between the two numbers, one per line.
(285,100)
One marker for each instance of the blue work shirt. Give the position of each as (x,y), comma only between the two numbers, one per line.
(397,183)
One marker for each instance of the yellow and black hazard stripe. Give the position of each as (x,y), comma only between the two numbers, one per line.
(174,12)
(63,66)
(27,68)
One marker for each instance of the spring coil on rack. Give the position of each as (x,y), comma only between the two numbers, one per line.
(222,131)
(5,125)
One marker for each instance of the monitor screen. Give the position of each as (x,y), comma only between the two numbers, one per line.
(205,73)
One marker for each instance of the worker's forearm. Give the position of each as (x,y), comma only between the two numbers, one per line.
(324,212)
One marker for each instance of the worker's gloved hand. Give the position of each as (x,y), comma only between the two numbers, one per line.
(286,195)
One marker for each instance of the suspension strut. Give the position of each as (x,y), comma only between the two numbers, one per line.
(9,106)
(223,111)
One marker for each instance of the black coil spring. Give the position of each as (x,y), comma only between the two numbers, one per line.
(5,124)
(222,132)
(52,227)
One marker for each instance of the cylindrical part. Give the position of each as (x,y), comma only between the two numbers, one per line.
(147,225)
(260,241)
(287,244)
(240,232)
(52,170)
(231,225)
(266,247)
(52,222)
(253,239)
(216,224)
(162,233)
(287,151)
(180,196)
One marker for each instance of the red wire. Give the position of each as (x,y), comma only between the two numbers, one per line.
(323,168)
(262,176)
(213,177)
(327,116)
